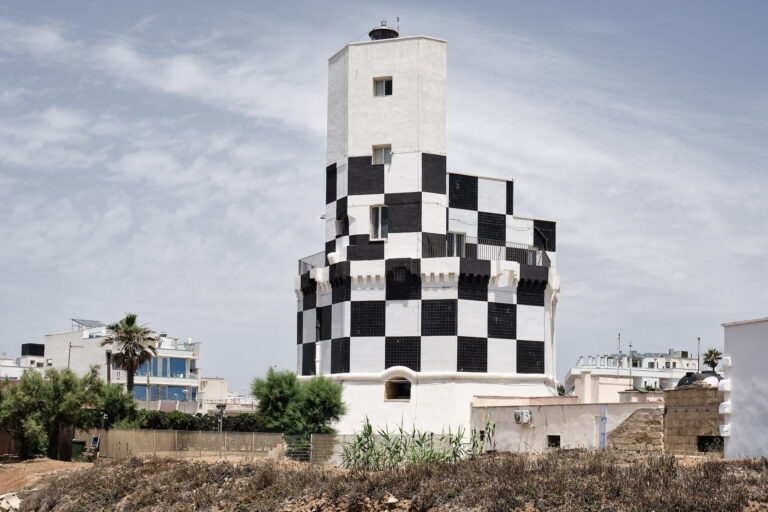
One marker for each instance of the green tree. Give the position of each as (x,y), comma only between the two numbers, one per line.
(276,393)
(118,405)
(21,412)
(285,405)
(712,358)
(69,400)
(136,346)
(36,408)
(320,404)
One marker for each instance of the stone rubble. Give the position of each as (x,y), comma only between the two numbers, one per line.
(9,502)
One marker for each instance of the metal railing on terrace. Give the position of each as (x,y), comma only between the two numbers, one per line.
(440,246)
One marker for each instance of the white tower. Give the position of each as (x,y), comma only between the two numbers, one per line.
(430,290)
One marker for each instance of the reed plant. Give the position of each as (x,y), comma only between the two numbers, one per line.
(380,449)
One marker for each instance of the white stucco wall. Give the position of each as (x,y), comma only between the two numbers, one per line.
(746,403)
(85,352)
(578,425)
(436,403)
(412,119)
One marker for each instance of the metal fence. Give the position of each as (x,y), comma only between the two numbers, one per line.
(121,443)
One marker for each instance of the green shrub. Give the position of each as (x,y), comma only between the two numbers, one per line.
(298,408)
(176,420)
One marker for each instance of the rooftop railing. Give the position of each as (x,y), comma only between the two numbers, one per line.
(440,246)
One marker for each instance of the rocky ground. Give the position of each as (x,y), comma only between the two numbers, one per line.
(17,474)
(562,481)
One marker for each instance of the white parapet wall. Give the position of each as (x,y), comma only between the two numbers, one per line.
(745,408)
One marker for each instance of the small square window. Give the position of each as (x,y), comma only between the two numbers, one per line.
(553,441)
(382,155)
(382,87)
(379,222)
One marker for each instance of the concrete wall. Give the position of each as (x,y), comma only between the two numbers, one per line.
(593,389)
(435,404)
(85,352)
(690,412)
(745,424)
(578,425)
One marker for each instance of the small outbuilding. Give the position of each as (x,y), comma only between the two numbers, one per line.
(692,419)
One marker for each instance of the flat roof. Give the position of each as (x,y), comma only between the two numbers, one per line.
(479,176)
(88,323)
(389,40)
(744,322)
(522,401)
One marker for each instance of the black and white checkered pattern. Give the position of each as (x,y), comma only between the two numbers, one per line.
(405,301)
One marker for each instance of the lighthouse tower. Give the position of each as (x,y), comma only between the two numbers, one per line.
(430,290)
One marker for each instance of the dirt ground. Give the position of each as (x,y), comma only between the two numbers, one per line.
(16,474)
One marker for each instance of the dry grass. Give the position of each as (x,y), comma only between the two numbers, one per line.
(565,481)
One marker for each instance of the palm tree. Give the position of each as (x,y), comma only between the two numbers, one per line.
(136,346)
(712,357)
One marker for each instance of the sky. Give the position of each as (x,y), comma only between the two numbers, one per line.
(168,159)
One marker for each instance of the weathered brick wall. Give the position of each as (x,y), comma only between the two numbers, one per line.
(641,432)
(690,412)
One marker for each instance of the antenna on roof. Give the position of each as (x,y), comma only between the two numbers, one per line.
(398,24)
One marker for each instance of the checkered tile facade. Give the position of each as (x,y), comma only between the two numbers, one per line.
(371,308)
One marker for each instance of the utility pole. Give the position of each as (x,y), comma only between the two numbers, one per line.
(148,392)
(631,382)
(698,358)
(69,353)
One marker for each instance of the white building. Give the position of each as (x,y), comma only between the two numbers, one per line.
(600,378)
(174,373)
(746,403)
(215,391)
(32,356)
(430,289)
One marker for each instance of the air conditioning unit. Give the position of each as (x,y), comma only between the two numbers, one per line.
(523,416)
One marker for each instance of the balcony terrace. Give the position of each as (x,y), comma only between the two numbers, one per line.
(438,246)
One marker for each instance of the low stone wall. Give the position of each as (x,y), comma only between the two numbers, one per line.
(643,431)
(691,411)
